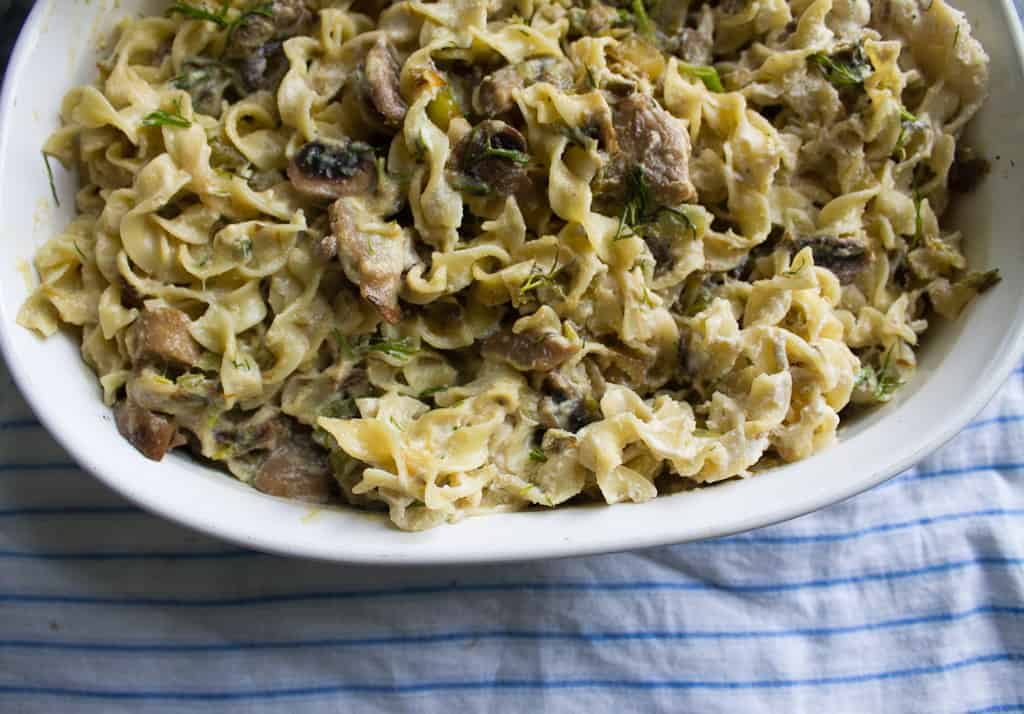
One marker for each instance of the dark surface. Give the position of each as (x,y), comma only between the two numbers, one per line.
(11,21)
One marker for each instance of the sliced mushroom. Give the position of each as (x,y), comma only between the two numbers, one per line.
(162,336)
(326,247)
(651,140)
(372,259)
(206,81)
(264,67)
(566,405)
(281,20)
(530,350)
(490,159)
(262,431)
(274,449)
(695,44)
(152,434)
(334,170)
(296,469)
(495,97)
(595,20)
(846,257)
(379,86)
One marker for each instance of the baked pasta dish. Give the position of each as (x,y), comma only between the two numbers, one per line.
(452,257)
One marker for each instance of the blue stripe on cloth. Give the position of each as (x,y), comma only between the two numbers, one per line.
(518,684)
(862,532)
(946,473)
(986,563)
(1002,419)
(439,638)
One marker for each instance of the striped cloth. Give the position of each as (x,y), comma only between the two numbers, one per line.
(909,598)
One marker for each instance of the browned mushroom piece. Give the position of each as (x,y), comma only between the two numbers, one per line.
(595,20)
(152,434)
(566,405)
(206,81)
(695,43)
(495,97)
(276,20)
(490,160)
(373,262)
(530,350)
(846,257)
(264,67)
(296,469)
(335,169)
(161,336)
(652,140)
(379,86)
(326,247)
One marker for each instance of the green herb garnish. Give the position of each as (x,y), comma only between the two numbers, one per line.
(469,184)
(244,247)
(341,408)
(639,211)
(266,9)
(679,217)
(982,281)
(844,69)
(538,455)
(49,175)
(539,278)
(200,13)
(643,22)
(400,348)
(163,118)
(512,155)
(918,223)
(705,73)
(908,124)
(200,69)
(578,136)
(356,348)
(881,383)
(700,302)
(637,206)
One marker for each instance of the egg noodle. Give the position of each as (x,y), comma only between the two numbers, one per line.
(465,256)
